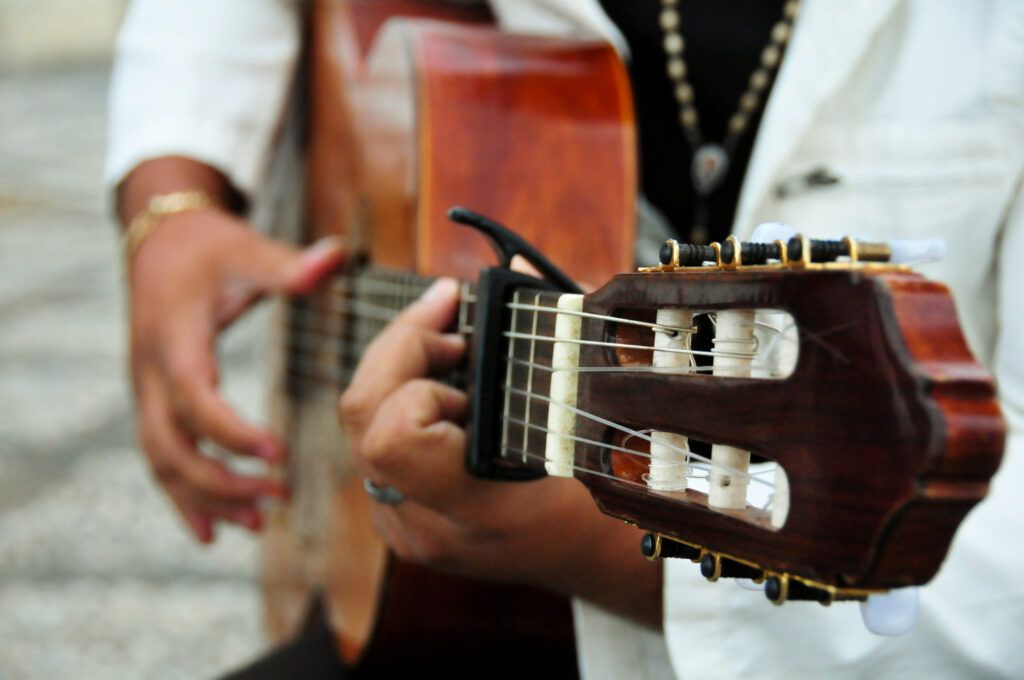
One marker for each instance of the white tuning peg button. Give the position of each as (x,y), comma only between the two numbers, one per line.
(748,584)
(892,613)
(770,232)
(917,251)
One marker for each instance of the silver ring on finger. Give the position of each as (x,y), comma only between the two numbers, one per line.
(386,494)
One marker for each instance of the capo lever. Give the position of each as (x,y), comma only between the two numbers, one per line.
(507,244)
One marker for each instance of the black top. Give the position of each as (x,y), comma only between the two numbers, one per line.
(724,40)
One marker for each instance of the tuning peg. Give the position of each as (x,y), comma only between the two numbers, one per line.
(676,254)
(779,589)
(735,252)
(714,567)
(830,251)
(655,546)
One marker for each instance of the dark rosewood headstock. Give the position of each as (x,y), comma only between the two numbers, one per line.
(886,426)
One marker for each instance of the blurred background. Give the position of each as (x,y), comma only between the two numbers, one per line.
(98,579)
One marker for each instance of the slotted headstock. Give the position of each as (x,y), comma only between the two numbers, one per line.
(802,413)
(886,427)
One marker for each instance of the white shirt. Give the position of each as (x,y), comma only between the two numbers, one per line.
(918,108)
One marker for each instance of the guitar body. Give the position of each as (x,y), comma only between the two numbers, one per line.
(407,118)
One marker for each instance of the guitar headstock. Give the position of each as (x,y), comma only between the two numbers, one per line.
(826,430)
(802,413)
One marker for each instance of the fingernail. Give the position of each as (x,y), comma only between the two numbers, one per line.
(250,519)
(442,288)
(323,245)
(269,450)
(456,340)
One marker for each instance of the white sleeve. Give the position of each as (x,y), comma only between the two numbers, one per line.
(609,647)
(204,79)
(1009,355)
(558,17)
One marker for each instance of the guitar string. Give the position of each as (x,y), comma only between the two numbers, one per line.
(622,345)
(622,480)
(637,433)
(540,458)
(603,445)
(378,281)
(303,341)
(304,335)
(633,369)
(387,313)
(373,312)
(675,330)
(381,314)
(702,462)
(307,340)
(310,371)
(700,465)
(365,309)
(376,312)
(696,462)
(582,440)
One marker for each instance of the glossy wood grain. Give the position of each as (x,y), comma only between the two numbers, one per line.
(406,120)
(533,132)
(322,541)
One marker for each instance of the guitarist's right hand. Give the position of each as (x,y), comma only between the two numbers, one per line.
(194,274)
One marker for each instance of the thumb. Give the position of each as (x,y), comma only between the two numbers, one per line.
(277,268)
(435,309)
(314,265)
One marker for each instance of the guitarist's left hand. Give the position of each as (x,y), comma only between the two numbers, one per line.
(406,431)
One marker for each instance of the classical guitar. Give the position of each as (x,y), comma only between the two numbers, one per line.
(407,117)
(811,351)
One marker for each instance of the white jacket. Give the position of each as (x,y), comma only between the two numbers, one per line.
(916,105)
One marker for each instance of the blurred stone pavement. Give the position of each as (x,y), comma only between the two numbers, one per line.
(97,577)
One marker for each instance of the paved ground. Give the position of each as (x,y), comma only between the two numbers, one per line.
(97,578)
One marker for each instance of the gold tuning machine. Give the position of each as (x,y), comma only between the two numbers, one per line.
(779,587)
(798,251)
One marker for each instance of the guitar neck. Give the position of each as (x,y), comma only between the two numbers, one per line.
(329,331)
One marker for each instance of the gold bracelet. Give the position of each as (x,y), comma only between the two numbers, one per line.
(158,207)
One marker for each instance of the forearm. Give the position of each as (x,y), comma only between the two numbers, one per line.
(171,174)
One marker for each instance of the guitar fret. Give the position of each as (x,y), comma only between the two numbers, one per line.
(510,367)
(515,374)
(522,380)
(529,375)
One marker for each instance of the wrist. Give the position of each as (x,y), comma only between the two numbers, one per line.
(172,174)
(157,209)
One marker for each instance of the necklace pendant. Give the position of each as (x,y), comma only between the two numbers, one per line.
(710,165)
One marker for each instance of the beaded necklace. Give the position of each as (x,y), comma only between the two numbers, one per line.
(710,163)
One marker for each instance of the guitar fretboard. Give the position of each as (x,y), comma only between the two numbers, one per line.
(528,376)
(328,331)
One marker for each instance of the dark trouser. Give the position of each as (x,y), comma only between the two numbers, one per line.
(310,655)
